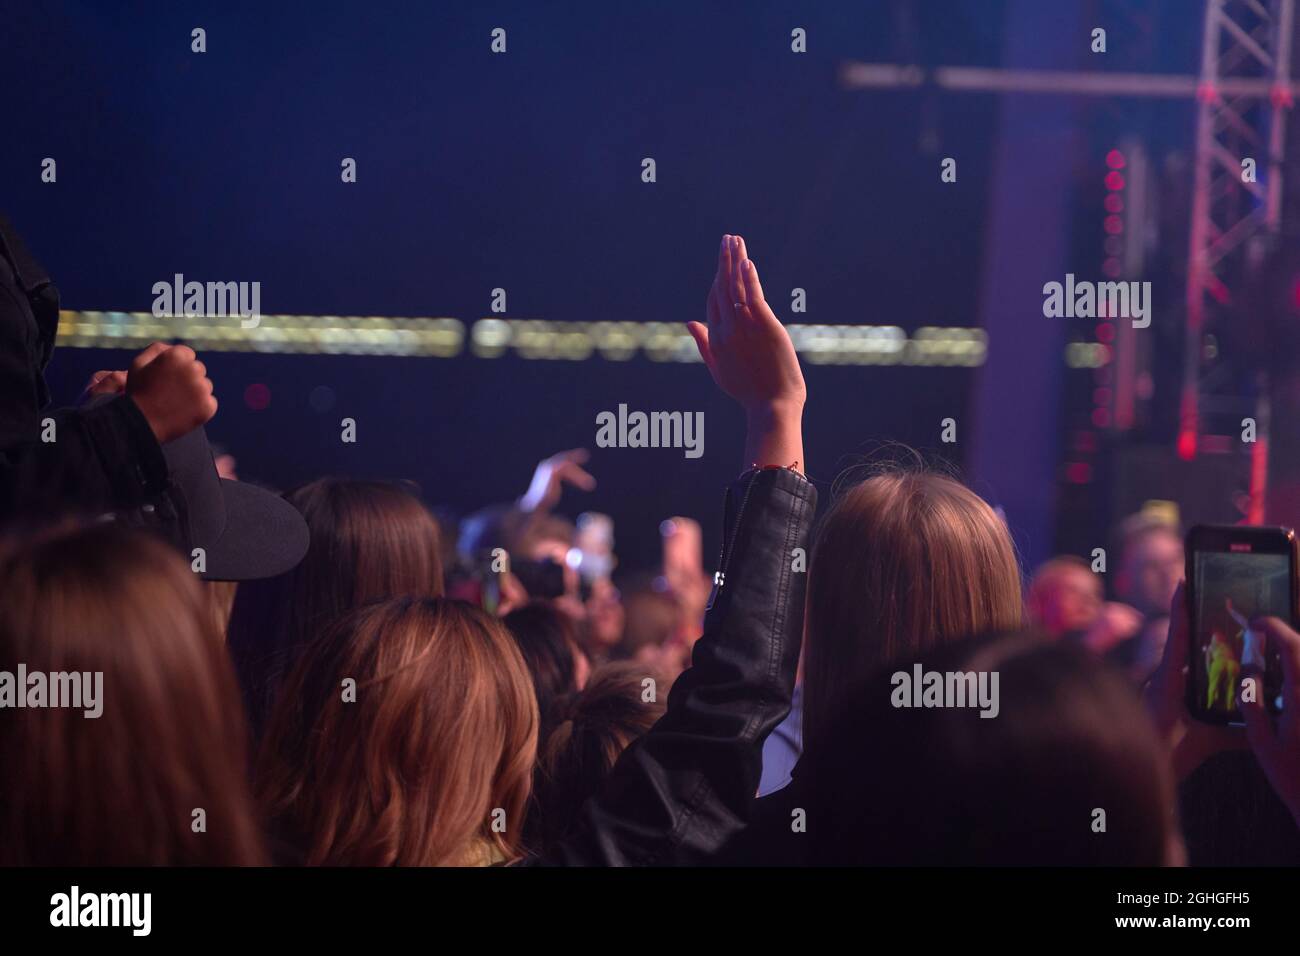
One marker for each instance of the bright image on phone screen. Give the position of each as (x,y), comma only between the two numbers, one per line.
(1231,590)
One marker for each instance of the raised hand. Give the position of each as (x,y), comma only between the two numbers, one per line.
(171,388)
(751,358)
(552,474)
(745,346)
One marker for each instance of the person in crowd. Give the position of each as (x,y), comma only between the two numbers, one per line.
(85,461)
(652,635)
(369,540)
(559,668)
(678,794)
(405,736)
(1069,772)
(530,531)
(905,561)
(135,450)
(125,779)
(593,727)
(665,609)
(1150,569)
(1065,600)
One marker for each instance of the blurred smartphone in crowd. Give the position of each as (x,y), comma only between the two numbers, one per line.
(1235,575)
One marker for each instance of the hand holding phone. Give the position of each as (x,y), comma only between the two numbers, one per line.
(1191,742)
(1277,745)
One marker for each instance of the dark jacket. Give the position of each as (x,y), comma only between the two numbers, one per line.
(771,839)
(101,459)
(684,789)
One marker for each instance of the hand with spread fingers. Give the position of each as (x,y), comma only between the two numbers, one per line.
(552,474)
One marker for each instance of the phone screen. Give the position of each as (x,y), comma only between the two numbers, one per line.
(1231,588)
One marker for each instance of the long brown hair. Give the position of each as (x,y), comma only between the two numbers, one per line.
(411,762)
(369,540)
(904,561)
(123,788)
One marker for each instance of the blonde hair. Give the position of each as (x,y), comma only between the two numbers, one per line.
(441,734)
(904,561)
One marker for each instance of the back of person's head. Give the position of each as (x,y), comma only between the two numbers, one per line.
(548,640)
(1065,770)
(596,725)
(116,615)
(370,540)
(400,735)
(654,621)
(904,561)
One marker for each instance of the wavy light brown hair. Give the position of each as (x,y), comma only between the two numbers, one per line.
(370,540)
(442,733)
(904,561)
(120,789)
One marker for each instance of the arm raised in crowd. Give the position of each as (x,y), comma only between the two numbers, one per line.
(687,786)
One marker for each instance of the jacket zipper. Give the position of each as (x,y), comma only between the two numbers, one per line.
(720,576)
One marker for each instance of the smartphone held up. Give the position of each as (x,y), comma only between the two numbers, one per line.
(1236,576)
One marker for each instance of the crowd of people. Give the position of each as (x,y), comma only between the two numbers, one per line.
(333,676)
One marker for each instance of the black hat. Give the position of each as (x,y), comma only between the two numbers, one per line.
(246,532)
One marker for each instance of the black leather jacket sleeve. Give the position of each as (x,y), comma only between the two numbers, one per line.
(686,787)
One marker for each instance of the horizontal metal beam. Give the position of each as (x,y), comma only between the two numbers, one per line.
(862,76)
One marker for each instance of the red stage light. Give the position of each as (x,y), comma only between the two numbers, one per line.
(257,397)
(1078,472)
(1114,180)
(1114,202)
(1115,159)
